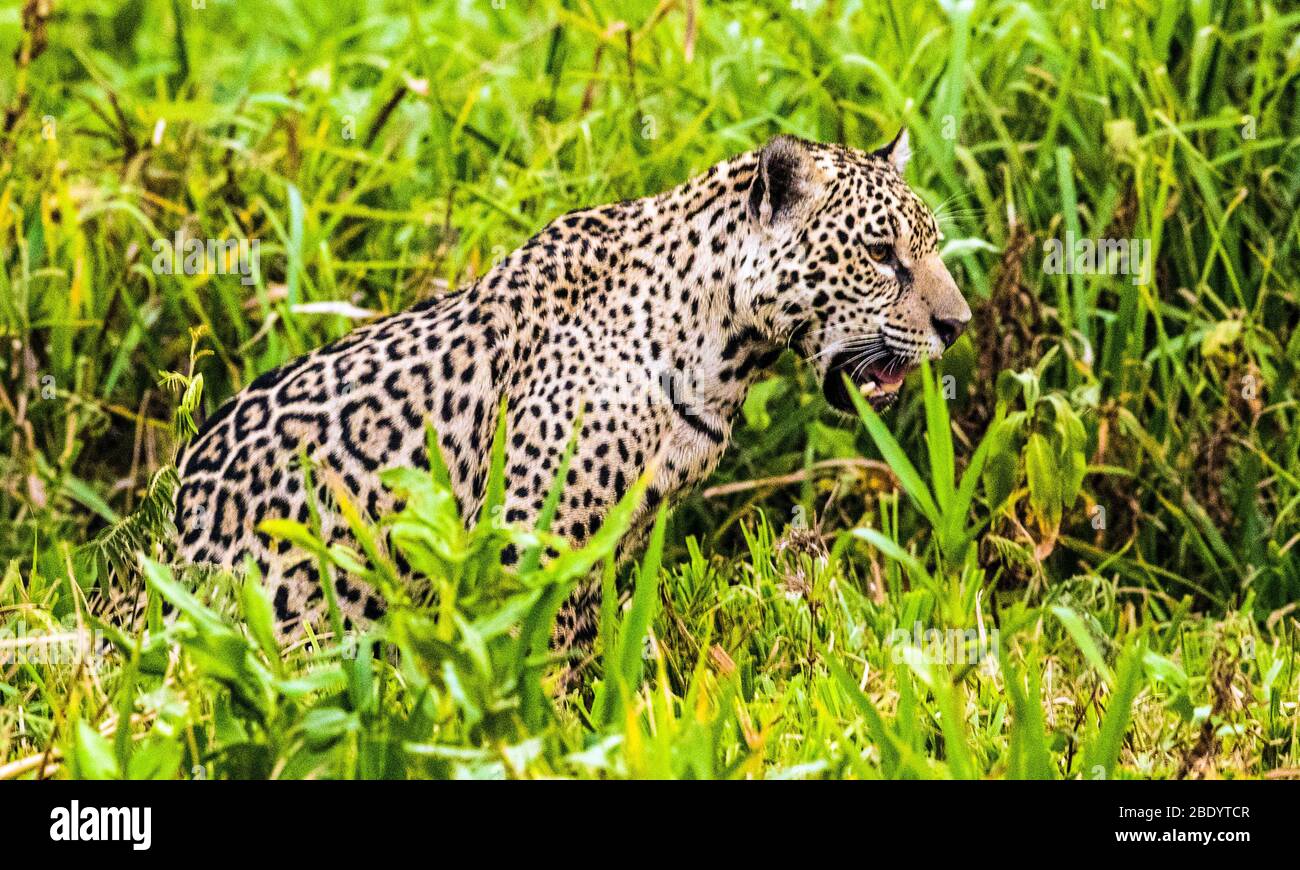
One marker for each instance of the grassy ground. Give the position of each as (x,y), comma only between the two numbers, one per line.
(1075,557)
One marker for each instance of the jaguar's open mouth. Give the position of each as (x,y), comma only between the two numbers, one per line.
(878,375)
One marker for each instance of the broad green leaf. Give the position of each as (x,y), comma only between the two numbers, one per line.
(92,754)
(891,549)
(938,439)
(1103,752)
(894,456)
(1044,479)
(258,615)
(755,406)
(1083,638)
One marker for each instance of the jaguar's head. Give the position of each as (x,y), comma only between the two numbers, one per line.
(845,265)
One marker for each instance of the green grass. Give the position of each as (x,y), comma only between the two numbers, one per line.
(1099,486)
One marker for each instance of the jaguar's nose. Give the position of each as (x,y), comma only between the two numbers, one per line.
(948,329)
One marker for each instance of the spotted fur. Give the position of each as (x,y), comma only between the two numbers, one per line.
(653,316)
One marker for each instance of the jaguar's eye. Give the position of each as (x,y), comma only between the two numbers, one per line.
(880,253)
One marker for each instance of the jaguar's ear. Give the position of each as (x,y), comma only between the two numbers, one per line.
(896,153)
(783,172)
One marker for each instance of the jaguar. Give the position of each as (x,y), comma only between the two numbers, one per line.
(649,317)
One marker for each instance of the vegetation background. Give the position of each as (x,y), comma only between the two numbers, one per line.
(1093,501)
